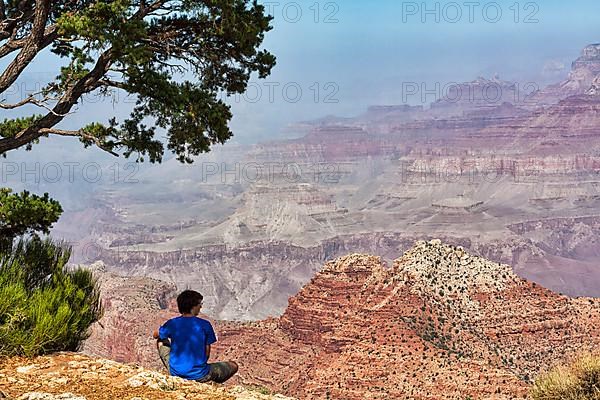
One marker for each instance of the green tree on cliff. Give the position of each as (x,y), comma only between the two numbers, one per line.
(25,213)
(44,306)
(175,57)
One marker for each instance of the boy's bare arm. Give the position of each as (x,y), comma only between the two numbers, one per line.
(207,351)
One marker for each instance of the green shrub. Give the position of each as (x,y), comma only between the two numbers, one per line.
(578,381)
(44,306)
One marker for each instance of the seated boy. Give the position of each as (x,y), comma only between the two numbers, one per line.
(184,344)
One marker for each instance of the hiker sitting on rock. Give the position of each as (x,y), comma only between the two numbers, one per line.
(184,344)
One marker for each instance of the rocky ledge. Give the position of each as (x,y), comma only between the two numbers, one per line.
(69,376)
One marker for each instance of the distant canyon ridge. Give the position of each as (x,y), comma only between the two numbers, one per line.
(514,179)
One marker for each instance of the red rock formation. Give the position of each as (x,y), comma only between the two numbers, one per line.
(439,324)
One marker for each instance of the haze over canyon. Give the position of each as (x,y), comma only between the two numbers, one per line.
(511,176)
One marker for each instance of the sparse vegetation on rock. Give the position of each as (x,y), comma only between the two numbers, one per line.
(440,323)
(580,380)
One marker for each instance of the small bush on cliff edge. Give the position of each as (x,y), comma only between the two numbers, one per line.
(44,307)
(578,381)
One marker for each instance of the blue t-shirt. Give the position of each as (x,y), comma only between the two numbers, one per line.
(189,337)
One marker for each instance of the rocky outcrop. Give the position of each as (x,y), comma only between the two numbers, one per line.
(69,376)
(584,71)
(590,59)
(439,323)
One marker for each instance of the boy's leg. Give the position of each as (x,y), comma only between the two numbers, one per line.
(221,372)
(164,351)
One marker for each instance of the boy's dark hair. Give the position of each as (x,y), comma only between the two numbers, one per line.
(187,300)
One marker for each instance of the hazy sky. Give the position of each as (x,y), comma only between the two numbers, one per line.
(346,55)
(375,46)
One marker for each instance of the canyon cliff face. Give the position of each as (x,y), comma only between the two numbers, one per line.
(439,323)
(248,227)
